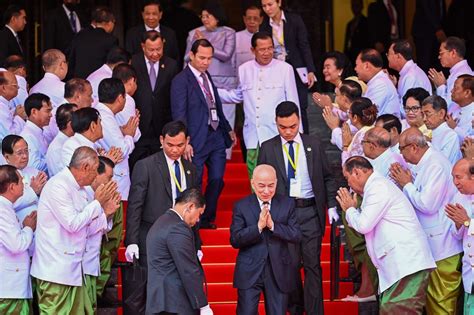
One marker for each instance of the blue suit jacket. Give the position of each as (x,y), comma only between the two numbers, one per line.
(255,248)
(189,105)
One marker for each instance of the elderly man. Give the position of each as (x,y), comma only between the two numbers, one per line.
(461,118)
(78,91)
(460,211)
(15,239)
(252,20)
(443,138)
(380,90)
(429,192)
(395,240)
(64,216)
(11,121)
(264,260)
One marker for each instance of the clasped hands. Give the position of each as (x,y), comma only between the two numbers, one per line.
(265,219)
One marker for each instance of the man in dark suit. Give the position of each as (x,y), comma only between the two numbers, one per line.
(383,25)
(61,25)
(356,32)
(303,173)
(151,14)
(175,276)
(194,100)
(153,102)
(263,225)
(15,21)
(90,47)
(297,51)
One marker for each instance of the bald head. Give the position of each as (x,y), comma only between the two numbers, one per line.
(376,141)
(462,177)
(54,61)
(264,182)
(413,145)
(413,135)
(264,171)
(8,85)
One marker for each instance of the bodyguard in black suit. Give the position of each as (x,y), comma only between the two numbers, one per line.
(175,277)
(15,21)
(303,173)
(151,14)
(90,47)
(297,49)
(153,102)
(263,224)
(380,25)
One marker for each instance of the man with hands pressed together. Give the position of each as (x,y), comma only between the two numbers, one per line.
(395,240)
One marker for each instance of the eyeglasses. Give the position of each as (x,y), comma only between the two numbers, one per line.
(401,148)
(428,114)
(264,50)
(441,52)
(205,16)
(412,109)
(366,141)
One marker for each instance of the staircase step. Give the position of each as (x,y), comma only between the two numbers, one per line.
(232,186)
(226,201)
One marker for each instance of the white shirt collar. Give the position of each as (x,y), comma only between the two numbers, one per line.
(406,67)
(283,18)
(4,101)
(179,215)
(6,202)
(105,108)
(147,63)
(147,28)
(83,139)
(382,157)
(438,130)
(37,131)
(71,178)
(68,12)
(421,162)
(51,76)
(264,66)
(297,139)
(11,29)
(260,202)
(460,64)
(467,108)
(170,161)
(195,71)
(374,78)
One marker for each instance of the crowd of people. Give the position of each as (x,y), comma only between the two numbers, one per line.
(108,127)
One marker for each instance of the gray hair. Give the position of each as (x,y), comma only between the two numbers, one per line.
(82,155)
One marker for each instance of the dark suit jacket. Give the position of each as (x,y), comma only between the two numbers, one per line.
(150,197)
(189,105)
(255,248)
(296,41)
(134,37)
(154,104)
(428,17)
(322,179)
(57,31)
(8,45)
(175,277)
(357,40)
(379,24)
(89,51)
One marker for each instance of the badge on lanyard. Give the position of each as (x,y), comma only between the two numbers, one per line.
(214,114)
(295,187)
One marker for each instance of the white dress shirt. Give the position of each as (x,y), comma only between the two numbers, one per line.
(261,89)
(383,162)
(462,67)
(95,78)
(260,202)
(243,52)
(127,112)
(466,235)
(70,145)
(382,92)
(446,141)
(53,154)
(15,261)
(279,37)
(9,122)
(197,75)
(113,137)
(51,86)
(37,145)
(431,190)
(29,201)
(68,13)
(464,117)
(411,76)
(22,91)
(395,240)
(170,163)
(64,215)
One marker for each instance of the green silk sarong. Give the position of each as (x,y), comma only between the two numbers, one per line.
(16,306)
(444,287)
(251,160)
(406,296)
(58,299)
(90,284)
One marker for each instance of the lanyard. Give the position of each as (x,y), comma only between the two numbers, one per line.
(292,163)
(206,92)
(173,175)
(280,39)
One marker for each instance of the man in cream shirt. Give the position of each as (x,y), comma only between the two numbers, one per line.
(252,20)
(395,240)
(461,117)
(11,122)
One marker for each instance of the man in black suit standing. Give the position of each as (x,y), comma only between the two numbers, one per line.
(61,25)
(263,225)
(303,173)
(155,71)
(384,24)
(15,21)
(90,47)
(151,14)
(175,276)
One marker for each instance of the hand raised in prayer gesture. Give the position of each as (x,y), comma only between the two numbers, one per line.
(198,35)
(270,223)
(437,77)
(115,154)
(452,123)
(20,111)
(322,100)
(345,199)
(112,204)
(346,136)
(330,118)
(262,219)
(467,148)
(37,182)
(105,192)
(400,175)
(457,213)
(30,220)
(130,128)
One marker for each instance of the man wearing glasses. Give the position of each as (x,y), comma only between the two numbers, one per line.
(11,122)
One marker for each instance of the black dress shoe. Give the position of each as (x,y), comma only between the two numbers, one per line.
(207,225)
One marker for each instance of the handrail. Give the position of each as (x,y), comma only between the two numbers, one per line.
(335,259)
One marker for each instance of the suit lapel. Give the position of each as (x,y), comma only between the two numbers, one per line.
(255,207)
(188,175)
(194,83)
(141,67)
(165,173)
(286,29)
(277,150)
(161,73)
(308,151)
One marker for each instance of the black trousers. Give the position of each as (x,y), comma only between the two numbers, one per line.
(302,89)
(275,300)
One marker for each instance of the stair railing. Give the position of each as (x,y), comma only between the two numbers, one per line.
(335,259)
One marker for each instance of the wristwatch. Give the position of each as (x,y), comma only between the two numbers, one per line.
(467,223)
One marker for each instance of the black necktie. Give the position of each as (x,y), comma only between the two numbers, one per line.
(72,20)
(177,174)
(291,153)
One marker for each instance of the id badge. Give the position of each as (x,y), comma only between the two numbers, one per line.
(214,114)
(295,188)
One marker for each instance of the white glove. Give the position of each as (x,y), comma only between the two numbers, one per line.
(206,310)
(332,215)
(132,250)
(200,254)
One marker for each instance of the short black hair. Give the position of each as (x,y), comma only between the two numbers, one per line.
(9,142)
(252,7)
(201,43)
(124,72)
(35,101)
(457,44)
(193,195)
(103,162)
(403,47)
(174,128)
(152,2)
(359,162)
(14,62)
(102,14)
(83,117)
(8,175)
(467,82)
(75,85)
(64,115)
(418,94)
(389,122)
(260,35)
(286,109)
(342,62)
(371,56)
(350,89)
(110,89)
(151,35)
(11,11)
(437,102)
(117,55)
(215,9)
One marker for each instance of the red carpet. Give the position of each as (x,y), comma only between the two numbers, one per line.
(219,256)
